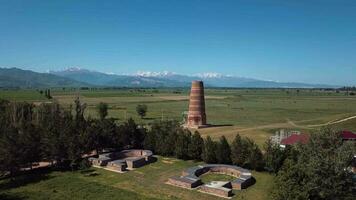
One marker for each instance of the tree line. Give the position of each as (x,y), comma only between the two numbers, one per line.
(48,132)
(170,139)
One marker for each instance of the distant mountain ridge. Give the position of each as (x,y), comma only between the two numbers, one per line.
(169,79)
(113,80)
(19,78)
(76,77)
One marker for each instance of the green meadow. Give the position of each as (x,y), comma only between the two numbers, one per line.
(148,182)
(255,113)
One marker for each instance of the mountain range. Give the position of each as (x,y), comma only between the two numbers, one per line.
(19,78)
(76,77)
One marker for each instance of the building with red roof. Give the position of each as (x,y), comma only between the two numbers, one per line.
(348,135)
(294,139)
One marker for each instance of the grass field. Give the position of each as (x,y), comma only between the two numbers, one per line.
(254,113)
(209,177)
(145,183)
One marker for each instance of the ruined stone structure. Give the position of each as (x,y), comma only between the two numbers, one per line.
(218,188)
(124,160)
(196,116)
(190,179)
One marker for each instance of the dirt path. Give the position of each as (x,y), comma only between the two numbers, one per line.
(333,122)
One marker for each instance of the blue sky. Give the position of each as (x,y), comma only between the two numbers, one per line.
(310,41)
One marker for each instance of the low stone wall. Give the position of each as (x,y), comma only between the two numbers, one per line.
(184,182)
(221,191)
(135,163)
(117,165)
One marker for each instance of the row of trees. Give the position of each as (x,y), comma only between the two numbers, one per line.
(47,93)
(48,132)
(169,139)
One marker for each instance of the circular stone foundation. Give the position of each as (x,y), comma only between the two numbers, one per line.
(123,160)
(191,179)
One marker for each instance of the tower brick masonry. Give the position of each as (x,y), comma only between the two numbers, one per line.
(196,114)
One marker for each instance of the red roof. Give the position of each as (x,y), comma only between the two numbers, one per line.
(348,135)
(294,139)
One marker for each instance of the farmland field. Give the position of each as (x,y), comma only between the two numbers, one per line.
(256,113)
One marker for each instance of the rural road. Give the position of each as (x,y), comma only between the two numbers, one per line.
(291,124)
(333,122)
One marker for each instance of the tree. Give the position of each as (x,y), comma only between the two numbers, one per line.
(141,110)
(31,143)
(223,151)
(238,151)
(102,109)
(131,135)
(11,157)
(246,153)
(320,170)
(94,138)
(274,156)
(49,94)
(209,151)
(165,134)
(150,141)
(19,137)
(50,119)
(255,158)
(195,148)
(182,144)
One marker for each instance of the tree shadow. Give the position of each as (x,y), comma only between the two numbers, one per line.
(153,159)
(89,172)
(250,183)
(24,178)
(219,125)
(10,197)
(148,118)
(215,126)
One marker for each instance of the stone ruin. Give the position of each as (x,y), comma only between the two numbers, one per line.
(123,160)
(190,179)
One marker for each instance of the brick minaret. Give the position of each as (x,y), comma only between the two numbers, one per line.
(196,115)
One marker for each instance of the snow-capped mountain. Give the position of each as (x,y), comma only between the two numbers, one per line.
(154,74)
(210,75)
(142,79)
(171,79)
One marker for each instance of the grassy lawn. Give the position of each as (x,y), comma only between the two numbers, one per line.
(147,182)
(209,177)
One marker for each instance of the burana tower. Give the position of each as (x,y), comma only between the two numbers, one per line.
(196,115)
